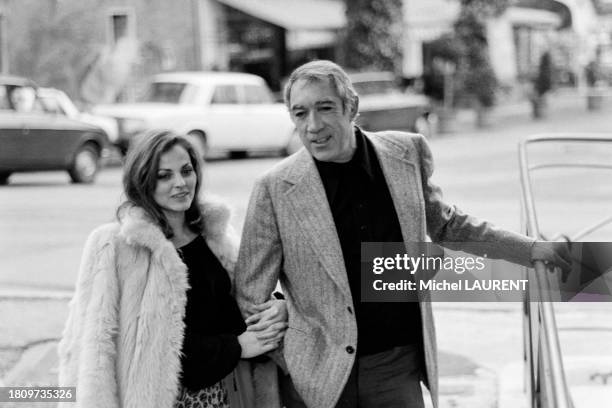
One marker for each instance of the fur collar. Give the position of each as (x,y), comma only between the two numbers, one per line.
(137,228)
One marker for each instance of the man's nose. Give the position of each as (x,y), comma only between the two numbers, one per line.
(314,124)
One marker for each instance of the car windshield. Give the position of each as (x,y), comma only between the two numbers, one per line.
(375,87)
(168,92)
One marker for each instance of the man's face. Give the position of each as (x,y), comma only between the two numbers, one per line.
(323,124)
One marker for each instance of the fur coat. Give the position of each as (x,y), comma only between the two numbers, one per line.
(122,341)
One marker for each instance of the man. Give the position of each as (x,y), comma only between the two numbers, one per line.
(304,225)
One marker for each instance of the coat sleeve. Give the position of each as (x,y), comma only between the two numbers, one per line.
(261,255)
(87,350)
(447,224)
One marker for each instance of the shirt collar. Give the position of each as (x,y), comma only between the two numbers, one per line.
(363,153)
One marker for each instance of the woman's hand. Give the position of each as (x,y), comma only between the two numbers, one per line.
(255,343)
(264,315)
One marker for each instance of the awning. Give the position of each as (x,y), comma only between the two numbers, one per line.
(533,17)
(294,15)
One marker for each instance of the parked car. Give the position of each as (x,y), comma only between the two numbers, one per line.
(34,140)
(224,112)
(55,101)
(383,106)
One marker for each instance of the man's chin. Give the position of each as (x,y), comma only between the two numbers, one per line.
(322,155)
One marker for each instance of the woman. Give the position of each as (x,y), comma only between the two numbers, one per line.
(153,322)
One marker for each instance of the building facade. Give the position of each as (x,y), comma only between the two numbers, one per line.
(103,50)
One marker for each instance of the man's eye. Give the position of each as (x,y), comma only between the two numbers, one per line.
(298,114)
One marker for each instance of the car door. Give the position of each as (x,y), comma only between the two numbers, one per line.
(225,119)
(49,140)
(268,122)
(23,127)
(11,122)
(11,148)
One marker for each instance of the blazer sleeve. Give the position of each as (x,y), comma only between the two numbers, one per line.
(260,256)
(448,225)
(87,350)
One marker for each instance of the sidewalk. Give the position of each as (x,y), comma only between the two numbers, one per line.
(519,112)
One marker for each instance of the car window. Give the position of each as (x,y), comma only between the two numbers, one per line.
(166,92)
(254,94)
(225,94)
(51,105)
(23,99)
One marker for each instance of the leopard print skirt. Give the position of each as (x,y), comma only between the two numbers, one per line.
(214,396)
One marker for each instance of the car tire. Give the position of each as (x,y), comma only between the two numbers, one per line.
(85,165)
(293,145)
(4,177)
(199,143)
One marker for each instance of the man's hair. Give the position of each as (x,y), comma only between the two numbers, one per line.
(140,179)
(321,70)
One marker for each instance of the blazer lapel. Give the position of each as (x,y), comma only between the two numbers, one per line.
(404,187)
(311,209)
(406,192)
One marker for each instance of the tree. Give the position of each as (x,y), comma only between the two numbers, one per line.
(373,35)
(475,72)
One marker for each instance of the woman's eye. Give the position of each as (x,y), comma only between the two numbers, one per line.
(187,171)
(163,176)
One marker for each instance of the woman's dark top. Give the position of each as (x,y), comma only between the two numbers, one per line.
(212,319)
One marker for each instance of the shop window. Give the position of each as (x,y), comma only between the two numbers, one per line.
(120,25)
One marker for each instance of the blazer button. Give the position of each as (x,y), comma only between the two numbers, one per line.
(350,349)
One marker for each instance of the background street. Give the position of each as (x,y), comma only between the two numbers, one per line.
(44,221)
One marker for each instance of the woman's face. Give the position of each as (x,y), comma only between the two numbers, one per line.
(176,181)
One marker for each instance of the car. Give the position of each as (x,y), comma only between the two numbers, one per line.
(34,140)
(219,112)
(55,101)
(383,106)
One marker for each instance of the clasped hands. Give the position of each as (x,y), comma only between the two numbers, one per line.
(266,327)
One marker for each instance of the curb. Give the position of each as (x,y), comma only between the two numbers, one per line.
(35,294)
(33,366)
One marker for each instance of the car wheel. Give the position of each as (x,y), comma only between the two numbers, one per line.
(4,178)
(426,125)
(85,165)
(198,141)
(293,145)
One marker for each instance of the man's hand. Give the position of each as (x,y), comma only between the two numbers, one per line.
(553,254)
(254,344)
(266,314)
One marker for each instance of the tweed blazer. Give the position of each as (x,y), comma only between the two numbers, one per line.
(122,342)
(289,235)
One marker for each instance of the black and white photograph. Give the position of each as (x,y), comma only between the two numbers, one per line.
(306,203)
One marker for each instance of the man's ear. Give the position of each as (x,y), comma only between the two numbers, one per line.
(355,107)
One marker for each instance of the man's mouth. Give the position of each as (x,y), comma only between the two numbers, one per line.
(321,140)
